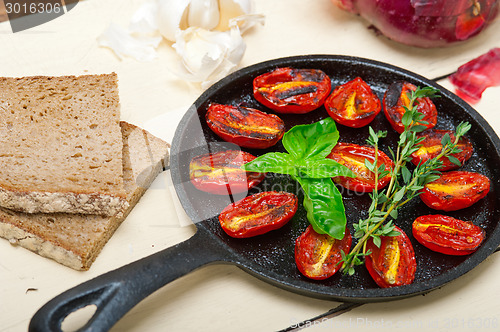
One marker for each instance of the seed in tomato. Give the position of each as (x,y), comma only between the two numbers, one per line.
(455,190)
(244,126)
(258,214)
(396,99)
(318,256)
(447,235)
(353,104)
(220,173)
(431,147)
(291,90)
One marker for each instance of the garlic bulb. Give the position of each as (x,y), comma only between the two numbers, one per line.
(206,34)
(177,15)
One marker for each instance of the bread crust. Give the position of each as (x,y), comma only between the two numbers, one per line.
(46,202)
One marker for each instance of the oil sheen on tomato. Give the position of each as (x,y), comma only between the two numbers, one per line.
(394,263)
(258,214)
(317,256)
(220,173)
(291,90)
(394,102)
(431,147)
(353,157)
(447,235)
(246,127)
(353,104)
(455,190)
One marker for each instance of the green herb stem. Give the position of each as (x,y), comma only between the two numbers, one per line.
(385,205)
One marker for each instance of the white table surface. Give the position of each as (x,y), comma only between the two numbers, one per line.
(223,297)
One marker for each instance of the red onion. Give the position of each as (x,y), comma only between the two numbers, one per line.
(472,78)
(425,23)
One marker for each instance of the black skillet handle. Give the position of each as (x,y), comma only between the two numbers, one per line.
(117,291)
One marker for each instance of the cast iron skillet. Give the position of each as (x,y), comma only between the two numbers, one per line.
(271,256)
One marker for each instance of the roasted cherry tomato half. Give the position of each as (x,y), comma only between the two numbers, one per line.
(396,97)
(246,127)
(353,157)
(431,147)
(353,104)
(447,235)
(258,214)
(220,173)
(290,90)
(318,256)
(394,263)
(455,190)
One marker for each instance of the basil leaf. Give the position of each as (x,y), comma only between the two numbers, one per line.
(311,141)
(325,168)
(275,162)
(324,206)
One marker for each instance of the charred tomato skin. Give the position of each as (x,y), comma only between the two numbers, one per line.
(318,256)
(244,126)
(353,156)
(455,190)
(394,263)
(447,235)
(258,214)
(431,147)
(290,90)
(353,104)
(396,97)
(220,173)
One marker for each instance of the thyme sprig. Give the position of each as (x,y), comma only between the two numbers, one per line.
(405,184)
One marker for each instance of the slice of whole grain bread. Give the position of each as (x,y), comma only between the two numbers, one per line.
(61,144)
(3,12)
(75,240)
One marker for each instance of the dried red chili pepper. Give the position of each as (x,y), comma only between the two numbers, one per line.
(290,90)
(455,190)
(258,214)
(431,147)
(447,235)
(246,127)
(318,256)
(393,263)
(396,97)
(353,157)
(220,173)
(353,104)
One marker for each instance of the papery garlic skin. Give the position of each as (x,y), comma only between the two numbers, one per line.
(172,17)
(145,21)
(142,48)
(204,14)
(230,9)
(207,56)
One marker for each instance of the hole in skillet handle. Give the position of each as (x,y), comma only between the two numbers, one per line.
(53,316)
(116,292)
(77,319)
